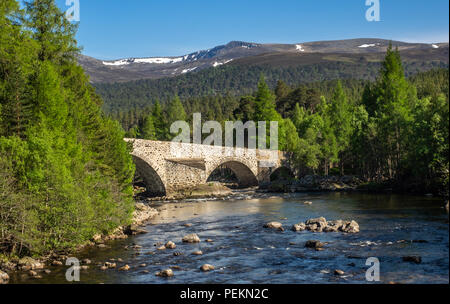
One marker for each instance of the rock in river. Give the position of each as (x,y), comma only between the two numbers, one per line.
(313,244)
(316,224)
(170,245)
(191,238)
(321,225)
(28,263)
(299,227)
(124,268)
(206,267)
(4,277)
(166,273)
(351,227)
(412,259)
(134,229)
(274,225)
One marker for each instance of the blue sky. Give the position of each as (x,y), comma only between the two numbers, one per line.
(112,29)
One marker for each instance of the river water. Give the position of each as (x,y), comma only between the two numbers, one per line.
(243,251)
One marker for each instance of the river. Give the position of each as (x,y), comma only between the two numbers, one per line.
(242,251)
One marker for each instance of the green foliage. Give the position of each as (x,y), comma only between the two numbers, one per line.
(238,80)
(175,111)
(65,169)
(148,129)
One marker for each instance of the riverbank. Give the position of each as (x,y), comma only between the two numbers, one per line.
(306,184)
(141,215)
(147,208)
(350,183)
(234,241)
(209,190)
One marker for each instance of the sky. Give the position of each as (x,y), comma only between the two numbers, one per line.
(113,29)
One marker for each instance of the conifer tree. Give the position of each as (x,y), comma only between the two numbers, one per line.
(161,129)
(395,99)
(148,130)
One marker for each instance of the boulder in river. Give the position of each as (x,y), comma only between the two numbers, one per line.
(274,225)
(413,259)
(166,273)
(32,273)
(4,277)
(134,230)
(191,238)
(350,227)
(198,252)
(170,245)
(339,272)
(124,268)
(313,244)
(320,223)
(28,263)
(334,226)
(207,267)
(299,227)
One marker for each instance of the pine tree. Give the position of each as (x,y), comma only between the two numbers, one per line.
(265,109)
(281,90)
(17,52)
(395,99)
(339,112)
(175,111)
(161,128)
(54,33)
(55,143)
(148,130)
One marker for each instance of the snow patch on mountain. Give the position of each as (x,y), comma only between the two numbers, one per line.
(299,48)
(117,62)
(188,70)
(434,46)
(216,64)
(154,60)
(368,45)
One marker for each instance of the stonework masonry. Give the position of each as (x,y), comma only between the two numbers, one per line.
(167,167)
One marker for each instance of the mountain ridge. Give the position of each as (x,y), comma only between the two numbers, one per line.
(131,69)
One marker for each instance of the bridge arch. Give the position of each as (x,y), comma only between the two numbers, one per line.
(152,179)
(245,176)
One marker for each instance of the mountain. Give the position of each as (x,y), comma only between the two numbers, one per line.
(248,53)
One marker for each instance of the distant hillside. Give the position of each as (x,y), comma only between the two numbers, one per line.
(129,69)
(240,76)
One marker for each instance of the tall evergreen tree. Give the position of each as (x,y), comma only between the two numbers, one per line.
(395,99)
(161,128)
(148,130)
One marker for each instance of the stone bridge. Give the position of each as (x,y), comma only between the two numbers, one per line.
(167,167)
